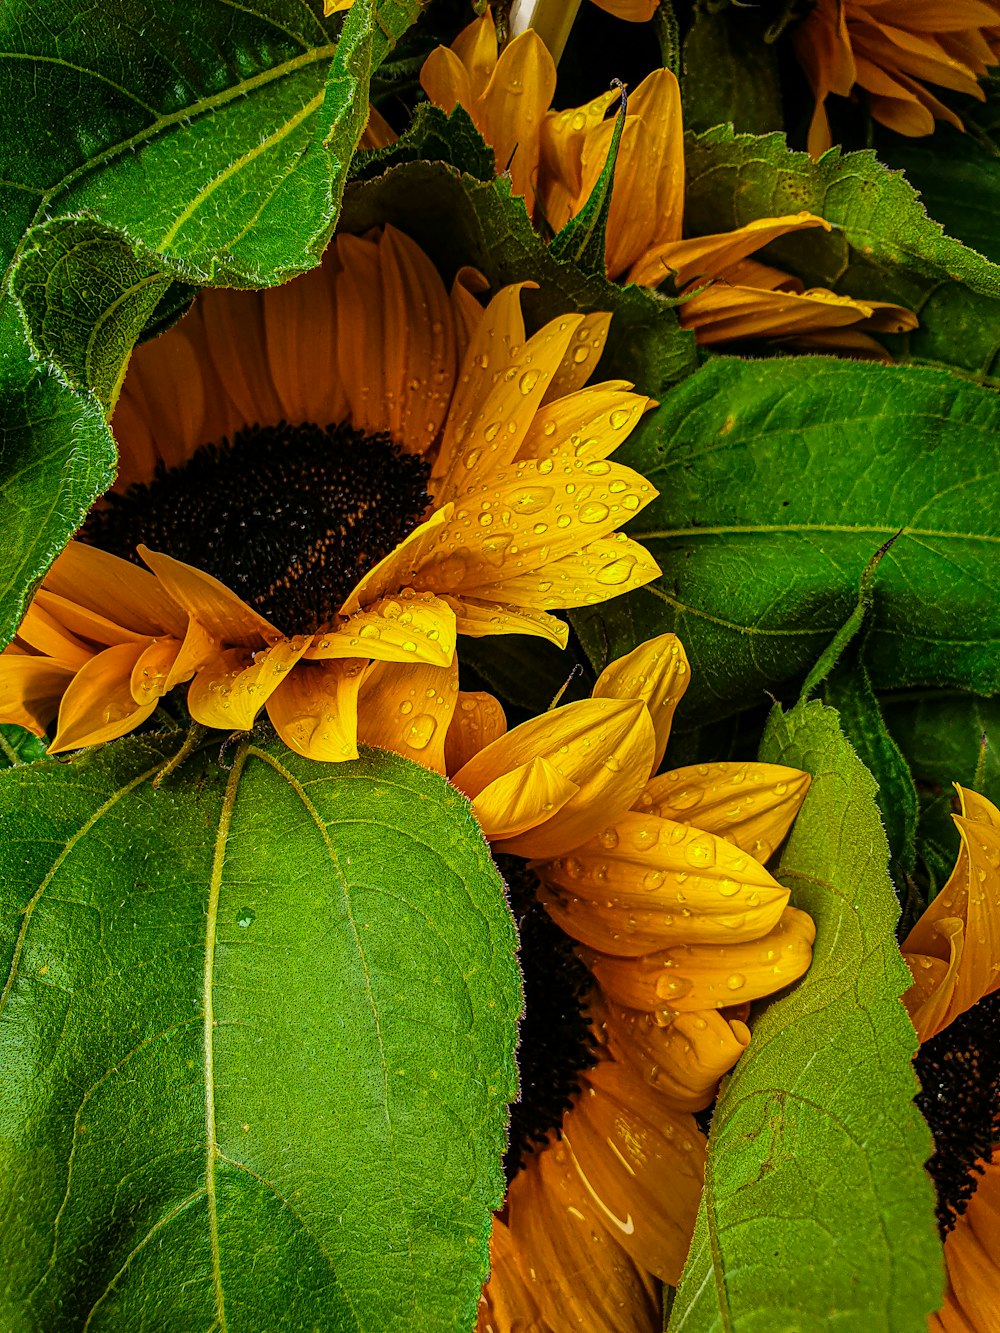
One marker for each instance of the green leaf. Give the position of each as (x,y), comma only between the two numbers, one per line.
(731,73)
(85,297)
(18,746)
(883,246)
(266,1084)
(432,135)
(583,240)
(817,1212)
(779,480)
(460,220)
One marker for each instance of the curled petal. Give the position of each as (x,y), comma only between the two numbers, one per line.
(709,976)
(603,746)
(98,705)
(230,691)
(315,709)
(95,581)
(657,672)
(644,884)
(412,629)
(224,615)
(409,709)
(479,720)
(522,799)
(752,805)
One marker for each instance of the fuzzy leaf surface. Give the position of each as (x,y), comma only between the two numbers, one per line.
(817,1214)
(778,481)
(257,1030)
(883,245)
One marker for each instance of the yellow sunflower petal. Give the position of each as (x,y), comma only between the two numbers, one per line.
(967,908)
(234,322)
(506,1302)
(581,356)
(644,884)
(601,569)
(684,1059)
(522,799)
(409,628)
(223,614)
(229,691)
(752,805)
(153,670)
(408,709)
(709,976)
(165,389)
(657,672)
(589,423)
(512,107)
(97,705)
(476,48)
(641,1163)
(972,1259)
(315,709)
(81,621)
(30,689)
(479,720)
(97,582)
(300,328)
(41,631)
(563,136)
(604,746)
(703,257)
(478,620)
(467,311)
(634,11)
(723,313)
(571,1263)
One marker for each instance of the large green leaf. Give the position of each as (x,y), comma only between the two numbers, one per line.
(817,1213)
(883,245)
(213,134)
(779,480)
(257,1032)
(731,72)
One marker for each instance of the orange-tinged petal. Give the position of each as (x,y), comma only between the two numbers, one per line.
(230,691)
(96,581)
(166,388)
(408,709)
(723,313)
(522,799)
(98,705)
(152,670)
(644,883)
(41,631)
(446,81)
(648,1186)
(683,1059)
(224,615)
(234,321)
(476,49)
(300,328)
(570,1261)
(506,1302)
(972,1259)
(658,673)
(467,312)
(30,690)
(562,140)
(409,628)
(966,909)
(709,976)
(315,709)
(479,720)
(749,804)
(634,11)
(512,107)
(604,746)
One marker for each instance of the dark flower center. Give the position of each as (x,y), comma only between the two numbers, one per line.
(959,1072)
(556,1044)
(287,517)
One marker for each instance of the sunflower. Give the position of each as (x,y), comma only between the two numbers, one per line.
(555,157)
(647,923)
(954,954)
(892,49)
(325,483)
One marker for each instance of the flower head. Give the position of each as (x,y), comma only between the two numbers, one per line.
(657,886)
(953,952)
(892,49)
(555,158)
(325,484)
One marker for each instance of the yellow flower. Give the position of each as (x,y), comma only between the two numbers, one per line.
(555,158)
(660,884)
(954,954)
(327,482)
(891,48)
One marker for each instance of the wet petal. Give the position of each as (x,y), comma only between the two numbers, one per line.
(606,567)
(315,709)
(522,799)
(478,620)
(230,691)
(604,746)
(563,136)
(408,709)
(709,976)
(98,704)
(512,107)
(657,672)
(590,423)
(479,720)
(409,628)
(224,615)
(644,884)
(581,356)
(752,805)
